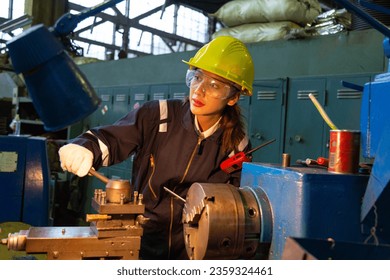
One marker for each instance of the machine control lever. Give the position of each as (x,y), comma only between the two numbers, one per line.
(174,194)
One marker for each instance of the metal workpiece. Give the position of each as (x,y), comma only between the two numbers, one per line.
(220,222)
(73,243)
(286,159)
(97,217)
(16,241)
(117,190)
(114,233)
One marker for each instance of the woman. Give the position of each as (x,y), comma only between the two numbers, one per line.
(175,143)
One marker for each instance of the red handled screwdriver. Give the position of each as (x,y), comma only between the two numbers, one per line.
(235,162)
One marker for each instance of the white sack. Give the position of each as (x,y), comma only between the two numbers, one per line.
(237,12)
(258,32)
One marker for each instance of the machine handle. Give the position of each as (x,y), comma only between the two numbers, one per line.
(101,177)
(261,146)
(97,217)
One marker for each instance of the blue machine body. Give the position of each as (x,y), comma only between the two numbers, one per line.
(60,92)
(375,128)
(376,201)
(306,203)
(374,114)
(375,132)
(313,205)
(25,181)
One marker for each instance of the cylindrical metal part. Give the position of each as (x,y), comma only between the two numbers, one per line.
(117,189)
(140,198)
(286,158)
(97,217)
(344,151)
(135,199)
(310,161)
(17,241)
(220,222)
(103,199)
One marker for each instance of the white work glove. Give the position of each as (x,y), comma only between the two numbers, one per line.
(76,159)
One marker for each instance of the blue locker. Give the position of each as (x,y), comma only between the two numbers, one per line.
(159,92)
(267,112)
(343,103)
(120,106)
(178,91)
(304,125)
(244,103)
(104,112)
(138,96)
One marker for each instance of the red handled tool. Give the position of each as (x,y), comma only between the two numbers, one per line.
(323,161)
(235,162)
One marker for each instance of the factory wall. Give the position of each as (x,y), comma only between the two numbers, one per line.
(285,73)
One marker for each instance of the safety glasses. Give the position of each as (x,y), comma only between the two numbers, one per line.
(196,79)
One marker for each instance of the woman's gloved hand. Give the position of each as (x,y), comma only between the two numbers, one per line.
(76,159)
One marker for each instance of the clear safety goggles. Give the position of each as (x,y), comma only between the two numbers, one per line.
(196,79)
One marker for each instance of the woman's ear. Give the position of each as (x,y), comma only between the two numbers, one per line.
(234,99)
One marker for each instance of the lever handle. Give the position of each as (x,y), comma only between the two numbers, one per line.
(101,177)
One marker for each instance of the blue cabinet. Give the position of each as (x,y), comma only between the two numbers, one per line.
(304,125)
(344,103)
(24,180)
(306,132)
(138,96)
(120,105)
(178,91)
(159,92)
(266,119)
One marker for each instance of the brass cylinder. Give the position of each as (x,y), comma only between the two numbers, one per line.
(286,160)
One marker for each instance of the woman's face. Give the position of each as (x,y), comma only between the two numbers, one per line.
(209,94)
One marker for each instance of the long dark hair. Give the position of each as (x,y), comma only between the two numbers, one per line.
(234,128)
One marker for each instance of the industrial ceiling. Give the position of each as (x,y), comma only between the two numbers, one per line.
(206,7)
(171,39)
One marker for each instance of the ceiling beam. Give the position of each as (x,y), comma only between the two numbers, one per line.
(127,23)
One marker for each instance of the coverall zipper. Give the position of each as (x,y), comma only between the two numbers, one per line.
(181,181)
(153,166)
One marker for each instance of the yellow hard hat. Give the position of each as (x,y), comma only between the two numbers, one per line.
(229,58)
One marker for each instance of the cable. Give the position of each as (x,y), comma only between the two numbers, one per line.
(322,112)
